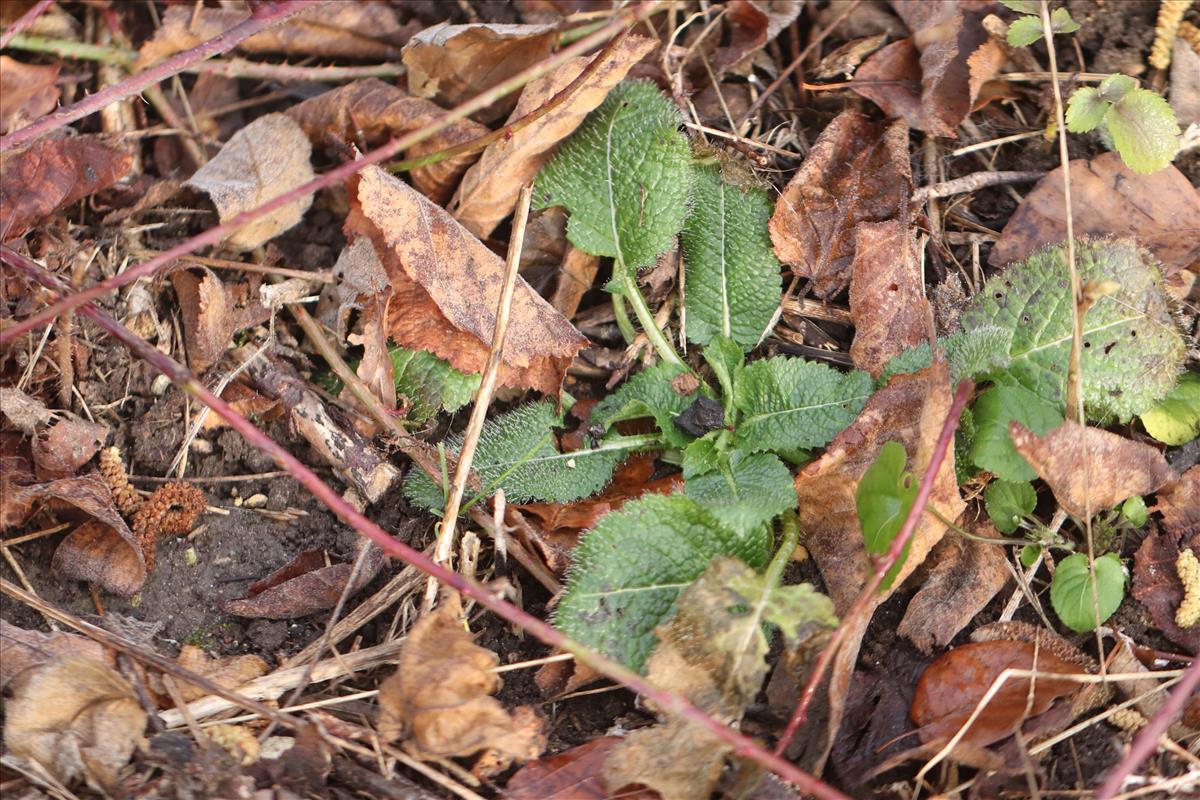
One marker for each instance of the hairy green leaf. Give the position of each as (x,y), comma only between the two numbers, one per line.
(430,384)
(1144,130)
(624,176)
(992,448)
(883,499)
(745,493)
(1023,6)
(1133,351)
(1061,22)
(516,452)
(650,393)
(1024,31)
(1008,502)
(703,454)
(732,278)
(1115,87)
(789,403)
(1176,418)
(1086,109)
(727,360)
(970,354)
(1071,590)
(628,572)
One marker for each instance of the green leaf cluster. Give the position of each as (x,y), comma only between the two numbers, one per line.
(1027,29)
(1141,123)
(1009,502)
(430,384)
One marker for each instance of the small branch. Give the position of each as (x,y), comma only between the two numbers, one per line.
(972,183)
(24,21)
(221,43)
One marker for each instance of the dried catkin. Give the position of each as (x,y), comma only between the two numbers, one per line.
(112,470)
(170,511)
(1190,34)
(1188,567)
(1170,14)
(1128,719)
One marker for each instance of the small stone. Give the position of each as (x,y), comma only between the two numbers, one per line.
(159,387)
(255,501)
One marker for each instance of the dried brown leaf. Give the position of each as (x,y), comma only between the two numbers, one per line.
(357,276)
(887,296)
(1185,84)
(63,445)
(857,171)
(439,702)
(446,286)
(574,774)
(212,313)
(1117,468)
(750,25)
(25,413)
(16,473)
(965,575)
(303,586)
(1160,210)
(1157,586)
(450,64)
(229,671)
(77,718)
(27,91)
(367,30)
(953,685)
(375,368)
(489,190)
(53,173)
(544,11)
(1179,504)
(263,160)
(22,649)
(370,112)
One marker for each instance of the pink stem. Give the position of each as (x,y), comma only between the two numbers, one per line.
(1147,739)
(862,603)
(24,21)
(221,43)
(668,701)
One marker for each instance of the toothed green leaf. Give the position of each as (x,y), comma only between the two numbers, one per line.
(753,490)
(1024,31)
(969,354)
(789,404)
(516,452)
(1007,503)
(1133,351)
(1086,109)
(732,278)
(991,446)
(1023,6)
(624,177)
(1071,590)
(628,571)
(430,384)
(1176,418)
(1061,22)
(1144,130)
(650,393)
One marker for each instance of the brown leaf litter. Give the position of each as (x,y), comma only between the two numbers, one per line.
(306,585)
(228,671)
(213,311)
(22,649)
(27,91)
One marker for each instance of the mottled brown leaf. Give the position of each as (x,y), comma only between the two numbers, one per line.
(857,171)
(22,649)
(965,575)
(489,190)
(574,774)
(212,313)
(1185,83)
(303,586)
(887,295)
(1117,468)
(446,287)
(64,444)
(1179,503)
(53,173)
(372,112)
(450,64)
(953,685)
(27,91)
(1157,586)
(263,160)
(1161,210)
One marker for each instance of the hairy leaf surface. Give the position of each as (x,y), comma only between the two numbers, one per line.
(430,384)
(755,489)
(650,393)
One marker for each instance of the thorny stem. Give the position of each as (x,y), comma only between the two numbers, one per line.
(221,43)
(629,288)
(863,602)
(669,702)
(336,175)
(25,20)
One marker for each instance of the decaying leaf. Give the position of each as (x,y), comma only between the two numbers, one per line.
(1159,210)
(263,160)
(305,585)
(489,189)
(751,24)
(574,774)
(27,91)
(52,173)
(212,313)
(1157,586)
(77,718)
(887,295)
(857,171)
(64,444)
(1185,83)
(370,112)
(367,30)
(450,64)
(446,288)
(22,649)
(1117,468)
(1179,503)
(230,671)
(950,55)
(439,699)
(952,686)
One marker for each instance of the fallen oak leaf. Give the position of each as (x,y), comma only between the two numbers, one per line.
(446,286)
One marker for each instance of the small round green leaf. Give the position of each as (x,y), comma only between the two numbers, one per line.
(1085,110)
(1071,590)
(1115,87)
(1134,510)
(1008,502)
(883,499)
(1176,418)
(1024,31)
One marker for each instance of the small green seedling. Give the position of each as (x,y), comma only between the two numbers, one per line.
(1141,124)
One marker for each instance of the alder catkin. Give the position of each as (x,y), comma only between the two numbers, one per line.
(1188,567)
(1190,34)
(170,511)
(112,470)
(1170,14)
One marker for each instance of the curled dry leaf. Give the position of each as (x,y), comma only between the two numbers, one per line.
(1159,210)
(1179,504)
(52,173)
(305,585)
(331,30)
(24,412)
(450,64)
(358,276)
(950,55)
(1117,468)
(1157,586)
(16,473)
(64,444)
(263,160)
(439,702)
(887,295)
(27,91)
(751,24)
(489,190)
(77,718)
(22,649)
(212,313)
(857,171)
(446,288)
(372,112)
(954,684)
(574,774)
(230,672)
